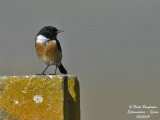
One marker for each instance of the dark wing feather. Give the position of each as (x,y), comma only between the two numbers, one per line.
(58,45)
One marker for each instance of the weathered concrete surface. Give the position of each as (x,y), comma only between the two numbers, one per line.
(39,97)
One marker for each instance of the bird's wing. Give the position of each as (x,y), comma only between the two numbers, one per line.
(58,45)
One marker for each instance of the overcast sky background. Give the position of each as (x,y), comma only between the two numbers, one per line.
(111,45)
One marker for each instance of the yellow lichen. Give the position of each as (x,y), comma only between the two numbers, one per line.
(71,88)
(18,98)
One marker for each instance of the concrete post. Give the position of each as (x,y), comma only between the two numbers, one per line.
(39,97)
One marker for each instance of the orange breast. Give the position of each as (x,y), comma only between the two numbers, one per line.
(49,54)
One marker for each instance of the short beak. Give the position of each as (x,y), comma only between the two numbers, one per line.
(59,31)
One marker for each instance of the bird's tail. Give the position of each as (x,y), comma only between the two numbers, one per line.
(62,69)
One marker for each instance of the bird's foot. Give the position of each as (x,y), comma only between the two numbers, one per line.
(52,74)
(41,74)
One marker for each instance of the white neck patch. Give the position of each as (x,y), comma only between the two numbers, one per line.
(41,39)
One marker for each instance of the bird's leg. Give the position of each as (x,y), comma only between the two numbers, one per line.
(55,70)
(44,70)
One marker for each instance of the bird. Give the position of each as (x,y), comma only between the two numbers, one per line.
(48,48)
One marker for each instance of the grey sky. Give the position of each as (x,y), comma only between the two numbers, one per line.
(111,45)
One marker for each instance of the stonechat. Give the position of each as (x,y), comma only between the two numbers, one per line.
(49,49)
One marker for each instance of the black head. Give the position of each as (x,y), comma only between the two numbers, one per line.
(49,32)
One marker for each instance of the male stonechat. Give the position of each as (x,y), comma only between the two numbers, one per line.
(49,49)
